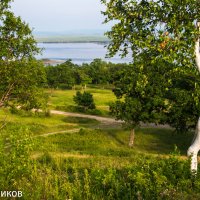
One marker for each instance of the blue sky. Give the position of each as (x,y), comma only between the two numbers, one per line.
(61,15)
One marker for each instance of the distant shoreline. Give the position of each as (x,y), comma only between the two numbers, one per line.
(57,52)
(73,39)
(96,42)
(47,61)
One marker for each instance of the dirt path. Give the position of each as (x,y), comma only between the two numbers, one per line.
(98,118)
(104,120)
(57,132)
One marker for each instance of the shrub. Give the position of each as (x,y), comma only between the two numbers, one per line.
(84,100)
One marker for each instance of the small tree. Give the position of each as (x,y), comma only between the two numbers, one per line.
(139,99)
(84,100)
(156,93)
(122,110)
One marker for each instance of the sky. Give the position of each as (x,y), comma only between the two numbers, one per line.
(61,15)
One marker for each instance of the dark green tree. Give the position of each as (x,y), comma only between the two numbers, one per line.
(139,97)
(82,78)
(98,71)
(61,76)
(84,100)
(162,97)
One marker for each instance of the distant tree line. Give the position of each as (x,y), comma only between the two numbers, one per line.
(67,74)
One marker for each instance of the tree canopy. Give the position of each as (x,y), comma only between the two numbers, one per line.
(157,93)
(67,74)
(165,28)
(21,75)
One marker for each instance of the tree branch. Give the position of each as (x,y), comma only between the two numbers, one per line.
(4,122)
(6,95)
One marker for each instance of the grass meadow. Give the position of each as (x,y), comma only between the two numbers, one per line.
(63,100)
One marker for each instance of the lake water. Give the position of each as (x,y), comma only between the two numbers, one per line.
(78,52)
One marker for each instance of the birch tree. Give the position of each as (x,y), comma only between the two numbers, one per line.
(165,29)
(195,147)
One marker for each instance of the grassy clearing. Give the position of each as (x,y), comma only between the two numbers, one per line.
(63,99)
(97,139)
(114,142)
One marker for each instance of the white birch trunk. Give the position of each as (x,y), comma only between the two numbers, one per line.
(195,147)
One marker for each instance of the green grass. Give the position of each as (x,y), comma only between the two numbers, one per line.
(114,143)
(95,139)
(63,99)
(39,124)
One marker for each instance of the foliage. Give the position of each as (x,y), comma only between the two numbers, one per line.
(22,82)
(61,76)
(164,29)
(60,179)
(84,100)
(14,156)
(158,93)
(154,180)
(22,77)
(66,75)
(82,78)
(182,96)
(16,40)
(98,71)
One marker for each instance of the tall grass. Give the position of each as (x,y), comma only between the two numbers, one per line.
(146,178)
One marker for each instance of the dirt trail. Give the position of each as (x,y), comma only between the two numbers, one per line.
(105,120)
(57,132)
(98,118)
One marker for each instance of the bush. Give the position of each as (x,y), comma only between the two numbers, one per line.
(84,100)
(15,147)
